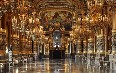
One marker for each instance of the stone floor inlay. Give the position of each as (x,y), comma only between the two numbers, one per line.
(58,66)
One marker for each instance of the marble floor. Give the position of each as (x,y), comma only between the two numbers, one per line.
(57,66)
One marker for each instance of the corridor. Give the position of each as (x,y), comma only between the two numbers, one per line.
(57,36)
(58,66)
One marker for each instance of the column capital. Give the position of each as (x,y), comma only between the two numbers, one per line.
(114,22)
(99,36)
(90,40)
(84,41)
(114,31)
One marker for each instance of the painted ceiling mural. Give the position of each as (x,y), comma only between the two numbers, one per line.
(57,20)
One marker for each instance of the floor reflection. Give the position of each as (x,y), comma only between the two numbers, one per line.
(58,66)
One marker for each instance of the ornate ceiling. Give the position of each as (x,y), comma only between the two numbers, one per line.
(77,16)
(40,5)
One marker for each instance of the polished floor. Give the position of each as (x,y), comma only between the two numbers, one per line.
(58,66)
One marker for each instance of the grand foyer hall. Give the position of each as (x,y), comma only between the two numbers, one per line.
(57,36)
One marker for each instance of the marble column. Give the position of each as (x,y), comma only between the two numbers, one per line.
(100,43)
(70,47)
(79,56)
(106,39)
(73,47)
(114,35)
(84,47)
(90,46)
(79,47)
(95,44)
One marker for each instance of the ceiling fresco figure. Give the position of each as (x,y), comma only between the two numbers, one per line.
(44,21)
(57,20)
(68,21)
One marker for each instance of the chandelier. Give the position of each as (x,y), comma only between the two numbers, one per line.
(80,32)
(24,18)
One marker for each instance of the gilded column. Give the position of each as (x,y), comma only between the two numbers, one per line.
(84,47)
(106,40)
(20,43)
(114,35)
(9,27)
